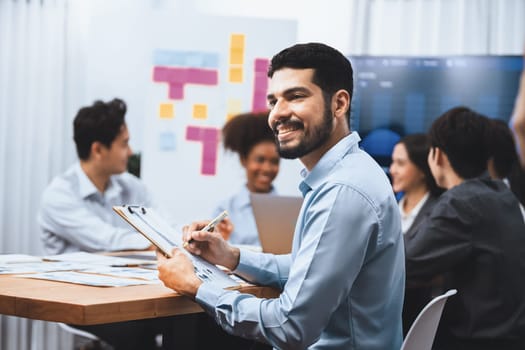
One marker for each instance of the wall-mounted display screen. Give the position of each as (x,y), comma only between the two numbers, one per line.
(406,94)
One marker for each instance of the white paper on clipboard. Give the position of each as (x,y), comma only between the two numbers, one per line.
(152,226)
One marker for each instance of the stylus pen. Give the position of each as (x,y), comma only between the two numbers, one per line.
(211,225)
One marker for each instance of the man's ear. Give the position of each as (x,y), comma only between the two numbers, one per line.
(492,169)
(340,103)
(434,153)
(441,157)
(96,149)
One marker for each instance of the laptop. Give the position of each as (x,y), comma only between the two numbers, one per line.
(275,217)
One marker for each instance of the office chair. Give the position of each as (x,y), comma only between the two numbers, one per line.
(96,342)
(421,334)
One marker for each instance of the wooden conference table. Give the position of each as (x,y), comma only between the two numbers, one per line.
(87,305)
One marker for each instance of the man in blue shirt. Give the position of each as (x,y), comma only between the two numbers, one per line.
(342,285)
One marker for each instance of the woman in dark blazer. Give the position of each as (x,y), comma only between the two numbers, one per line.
(411,175)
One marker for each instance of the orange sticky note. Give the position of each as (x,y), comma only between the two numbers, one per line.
(237,41)
(166,111)
(235,75)
(200,111)
(236,56)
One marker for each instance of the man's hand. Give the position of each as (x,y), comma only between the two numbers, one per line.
(178,273)
(211,246)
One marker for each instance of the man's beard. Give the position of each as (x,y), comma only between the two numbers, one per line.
(311,140)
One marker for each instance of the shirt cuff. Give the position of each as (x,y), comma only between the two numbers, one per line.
(208,296)
(247,260)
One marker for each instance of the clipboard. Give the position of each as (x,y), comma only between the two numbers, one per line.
(162,235)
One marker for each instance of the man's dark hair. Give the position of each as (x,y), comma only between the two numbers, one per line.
(332,70)
(502,150)
(501,147)
(460,133)
(418,146)
(241,133)
(100,122)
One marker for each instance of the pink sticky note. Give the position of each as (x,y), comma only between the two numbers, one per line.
(210,143)
(160,74)
(176,91)
(261,64)
(178,77)
(260,85)
(202,76)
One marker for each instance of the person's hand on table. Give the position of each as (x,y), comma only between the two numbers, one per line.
(178,273)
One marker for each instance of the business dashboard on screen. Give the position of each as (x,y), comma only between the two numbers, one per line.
(406,94)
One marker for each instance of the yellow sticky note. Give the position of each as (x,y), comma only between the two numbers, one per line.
(166,111)
(237,41)
(200,111)
(236,56)
(235,75)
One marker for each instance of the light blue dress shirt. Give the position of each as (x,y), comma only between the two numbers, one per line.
(241,214)
(75,216)
(343,284)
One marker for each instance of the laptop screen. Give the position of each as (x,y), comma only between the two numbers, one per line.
(275,217)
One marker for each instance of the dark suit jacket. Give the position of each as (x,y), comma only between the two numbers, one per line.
(417,296)
(475,238)
(420,217)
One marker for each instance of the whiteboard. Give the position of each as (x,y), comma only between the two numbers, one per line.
(182,76)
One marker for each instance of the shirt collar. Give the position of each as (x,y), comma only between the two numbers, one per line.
(114,189)
(86,188)
(316,176)
(413,213)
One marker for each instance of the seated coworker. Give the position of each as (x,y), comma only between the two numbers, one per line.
(503,160)
(252,139)
(474,238)
(411,176)
(76,209)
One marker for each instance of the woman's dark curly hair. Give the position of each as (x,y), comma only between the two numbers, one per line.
(242,132)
